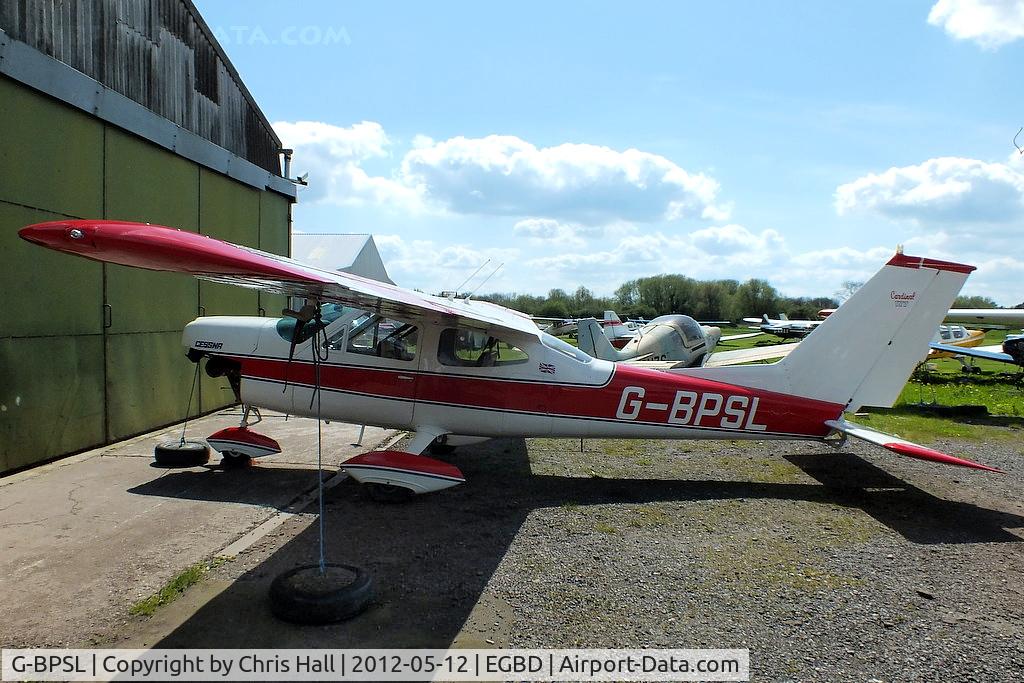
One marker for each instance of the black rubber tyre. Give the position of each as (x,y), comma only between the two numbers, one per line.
(439,446)
(305,596)
(177,454)
(232,460)
(389,493)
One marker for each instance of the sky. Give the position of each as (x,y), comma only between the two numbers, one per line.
(586,144)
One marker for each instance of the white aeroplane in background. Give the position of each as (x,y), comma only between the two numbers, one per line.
(373,353)
(783,326)
(677,338)
(1009,317)
(617,332)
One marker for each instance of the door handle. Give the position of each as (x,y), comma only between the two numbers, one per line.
(405,378)
(108,316)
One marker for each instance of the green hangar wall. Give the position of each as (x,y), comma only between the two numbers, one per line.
(91,353)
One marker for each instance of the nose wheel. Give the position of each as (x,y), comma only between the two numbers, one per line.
(235,460)
(389,493)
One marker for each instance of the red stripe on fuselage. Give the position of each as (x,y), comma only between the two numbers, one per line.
(660,402)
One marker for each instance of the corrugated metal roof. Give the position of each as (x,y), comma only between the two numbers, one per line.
(159,53)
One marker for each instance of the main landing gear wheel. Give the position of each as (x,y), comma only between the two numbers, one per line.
(439,446)
(389,493)
(181,454)
(304,595)
(234,459)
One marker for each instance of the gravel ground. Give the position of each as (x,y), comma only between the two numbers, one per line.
(850,565)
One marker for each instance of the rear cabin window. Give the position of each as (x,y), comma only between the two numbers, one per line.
(373,335)
(463,347)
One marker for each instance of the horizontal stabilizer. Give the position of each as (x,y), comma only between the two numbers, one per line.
(896,445)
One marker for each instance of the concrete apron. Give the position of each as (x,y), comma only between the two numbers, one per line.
(84,538)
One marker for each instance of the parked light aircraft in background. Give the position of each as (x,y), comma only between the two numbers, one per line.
(981,317)
(783,326)
(956,337)
(617,332)
(373,353)
(1010,351)
(677,338)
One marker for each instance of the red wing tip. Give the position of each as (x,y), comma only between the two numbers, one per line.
(922,453)
(904,261)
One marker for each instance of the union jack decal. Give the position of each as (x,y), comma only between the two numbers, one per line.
(548,368)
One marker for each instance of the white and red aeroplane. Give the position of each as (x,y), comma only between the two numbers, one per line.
(455,370)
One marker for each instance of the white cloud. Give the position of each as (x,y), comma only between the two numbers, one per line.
(946,190)
(496,175)
(333,156)
(505,175)
(989,23)
(548,232)
(729,240)
(713,252)
(433,267)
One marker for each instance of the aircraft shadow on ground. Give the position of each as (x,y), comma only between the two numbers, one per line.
(915,514)
(432,557)
(267,486)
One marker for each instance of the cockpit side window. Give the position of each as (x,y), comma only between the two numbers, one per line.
(374,335)
(464,347)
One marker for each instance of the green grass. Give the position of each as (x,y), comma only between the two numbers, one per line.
(998,388)
(928,429)
(175,587)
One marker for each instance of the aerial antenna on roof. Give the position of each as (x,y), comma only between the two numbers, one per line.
(472,276)
(485,280)
(1019,148)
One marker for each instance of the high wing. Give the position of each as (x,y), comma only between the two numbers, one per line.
(739,356)
(155,247)
(986,352)
(1013,317)
(720,358)
(734,337)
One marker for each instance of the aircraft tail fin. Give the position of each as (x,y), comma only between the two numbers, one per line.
(864,353)
(591,341)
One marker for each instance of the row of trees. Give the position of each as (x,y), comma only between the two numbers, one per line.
(649,297)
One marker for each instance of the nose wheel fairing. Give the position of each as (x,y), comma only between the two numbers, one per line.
(243,442)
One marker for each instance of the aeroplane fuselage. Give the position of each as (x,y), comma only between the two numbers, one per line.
(546,388)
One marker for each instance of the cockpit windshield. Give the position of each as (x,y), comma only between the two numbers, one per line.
(690,328)
(328,314)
